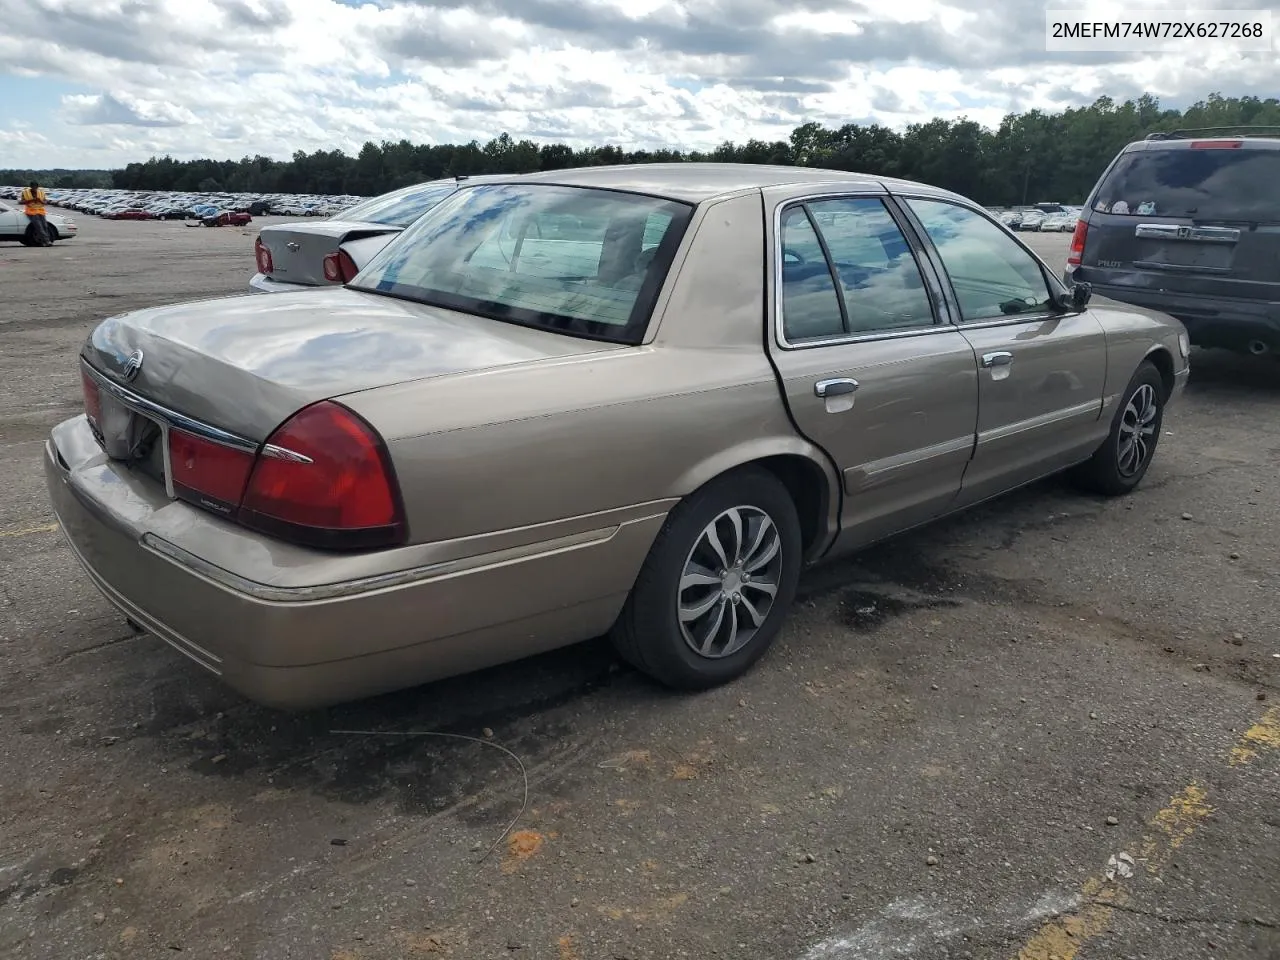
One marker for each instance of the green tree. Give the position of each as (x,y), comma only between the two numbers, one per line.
(1028,157)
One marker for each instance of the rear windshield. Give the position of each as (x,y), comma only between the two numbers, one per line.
(1204,184)
(571,259)
(399,209)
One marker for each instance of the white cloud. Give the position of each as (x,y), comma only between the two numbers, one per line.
(234,77)
(106,110)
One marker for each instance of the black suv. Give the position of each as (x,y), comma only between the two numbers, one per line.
(1188,223)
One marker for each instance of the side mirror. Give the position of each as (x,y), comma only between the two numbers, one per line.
(1077,298)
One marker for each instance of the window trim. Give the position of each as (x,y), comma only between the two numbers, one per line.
(934,291)
(1052,286)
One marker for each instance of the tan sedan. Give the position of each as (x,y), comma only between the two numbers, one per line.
(625,400)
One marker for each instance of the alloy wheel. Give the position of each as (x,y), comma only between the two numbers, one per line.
(1137,433)
(729,582)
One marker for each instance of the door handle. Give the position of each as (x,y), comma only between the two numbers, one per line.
(834,388)
(1001,358)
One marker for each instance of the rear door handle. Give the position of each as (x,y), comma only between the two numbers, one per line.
(1001,358)
(834,388)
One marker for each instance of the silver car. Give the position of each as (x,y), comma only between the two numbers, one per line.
(632,400)
(297,256)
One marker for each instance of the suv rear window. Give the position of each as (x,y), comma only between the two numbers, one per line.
(1203,184)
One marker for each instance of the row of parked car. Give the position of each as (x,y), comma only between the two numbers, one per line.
(1044,218)
(169,205)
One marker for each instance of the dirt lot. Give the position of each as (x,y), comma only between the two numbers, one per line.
(952,738)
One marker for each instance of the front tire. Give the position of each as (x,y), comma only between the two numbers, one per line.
(1118,466)
(715,589)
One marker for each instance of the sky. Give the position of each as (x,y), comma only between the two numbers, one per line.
(100,83)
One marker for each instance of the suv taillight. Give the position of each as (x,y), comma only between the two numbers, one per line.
(339,267)
(263,254)
(324,479)
(1216,144)
(92,398)
(1076,254)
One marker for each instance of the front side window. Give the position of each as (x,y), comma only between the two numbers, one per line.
(992,276)
(572,259)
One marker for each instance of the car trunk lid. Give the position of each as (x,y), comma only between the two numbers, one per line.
(245,364)
(298,250)
(1192,217)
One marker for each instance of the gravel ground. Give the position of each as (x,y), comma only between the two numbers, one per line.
(953,736)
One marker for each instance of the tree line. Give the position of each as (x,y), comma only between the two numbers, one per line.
(1031,157)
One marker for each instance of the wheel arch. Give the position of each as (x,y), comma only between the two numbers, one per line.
(803,469)
(1160,358)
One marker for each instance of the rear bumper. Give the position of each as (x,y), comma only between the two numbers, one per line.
(324,637)
(1210,321)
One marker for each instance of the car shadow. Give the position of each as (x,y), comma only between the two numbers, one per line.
(411,749)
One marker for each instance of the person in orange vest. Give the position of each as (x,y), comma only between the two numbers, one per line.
(33,200)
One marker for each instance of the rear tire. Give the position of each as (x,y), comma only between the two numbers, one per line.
(717,583)
(1118,466)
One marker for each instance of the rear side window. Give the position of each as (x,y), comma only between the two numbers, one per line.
(810,305)
(847,269)
(878,274)
(1199,183)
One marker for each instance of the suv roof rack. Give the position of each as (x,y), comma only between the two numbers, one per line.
(1243,130)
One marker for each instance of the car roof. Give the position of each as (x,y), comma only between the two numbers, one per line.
(1185,141)
(697,182)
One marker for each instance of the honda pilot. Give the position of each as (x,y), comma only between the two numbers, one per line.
(1188,223)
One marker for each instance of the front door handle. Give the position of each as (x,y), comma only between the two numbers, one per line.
(834,388)
(1001,358)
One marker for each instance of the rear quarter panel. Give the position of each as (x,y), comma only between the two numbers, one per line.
(649,424)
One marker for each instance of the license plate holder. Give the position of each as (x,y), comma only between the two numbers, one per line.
(125,432)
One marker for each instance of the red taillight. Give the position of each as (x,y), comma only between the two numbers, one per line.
(324,479)
(263,254)
(1216,144)
(92,398)
(208,473)
(1076,253)
(339,267)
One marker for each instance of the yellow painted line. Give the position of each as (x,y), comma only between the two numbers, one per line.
(1263,735)
(28,531)
(1064,937)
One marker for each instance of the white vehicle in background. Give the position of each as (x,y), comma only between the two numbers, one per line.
(1058,223)
(301,256)
(14,225)
(1032,220)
